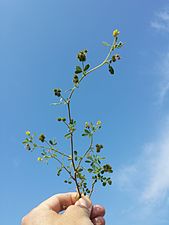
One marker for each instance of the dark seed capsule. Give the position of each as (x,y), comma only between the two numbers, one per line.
(42,138)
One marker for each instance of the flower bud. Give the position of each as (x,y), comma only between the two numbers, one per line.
(116,33)
(99,123)
(87,125)
(39,159)
(28,132)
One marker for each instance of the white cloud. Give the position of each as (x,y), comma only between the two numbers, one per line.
(164,77)
(145,182)
(161,22)
(149,175)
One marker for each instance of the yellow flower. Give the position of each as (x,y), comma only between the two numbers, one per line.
(116,33)
(28,132)
(99,122)
(39,159)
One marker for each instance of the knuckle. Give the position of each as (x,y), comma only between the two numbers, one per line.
(24,220)
(27,218)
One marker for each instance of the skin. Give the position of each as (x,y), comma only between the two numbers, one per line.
(75,211)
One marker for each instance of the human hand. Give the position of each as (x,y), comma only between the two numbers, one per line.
(76,212)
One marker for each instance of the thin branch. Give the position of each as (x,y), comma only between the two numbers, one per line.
(64,167)
(92,189)
(87,151)
(53,149)
(72,151)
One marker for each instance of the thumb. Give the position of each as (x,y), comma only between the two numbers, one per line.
(81,209)
(86,204)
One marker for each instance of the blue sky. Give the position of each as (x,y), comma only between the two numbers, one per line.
(38,45)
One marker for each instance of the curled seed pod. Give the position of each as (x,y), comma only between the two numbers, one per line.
(117,56)
(57,92)
(107,168)
(42,138)
(113,59)
(75,79)
(98,147)
(28,147)
(82,55)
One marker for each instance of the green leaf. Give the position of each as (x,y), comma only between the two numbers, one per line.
(84,135)
(106,44)
(75,152)
(68,135)
(90,170)
(78,69)
(86,131)
(120,45)
(87,67)
(111,70)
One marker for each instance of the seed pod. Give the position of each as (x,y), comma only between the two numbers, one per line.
(117,56)
(82,55)
(75,79)
(28,147)
(113,58)
(98,147)
(57,92)
(107,168)
(42,138)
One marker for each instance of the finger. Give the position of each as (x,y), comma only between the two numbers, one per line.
(80,212)
(98,221)
(85,203)
(60,202)
(97,211)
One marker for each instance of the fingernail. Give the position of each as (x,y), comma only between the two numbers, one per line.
(84,202)
(98,221)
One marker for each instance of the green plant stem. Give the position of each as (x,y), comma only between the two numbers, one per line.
(88,150)
(92,189)
(72,152)
(68,102)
